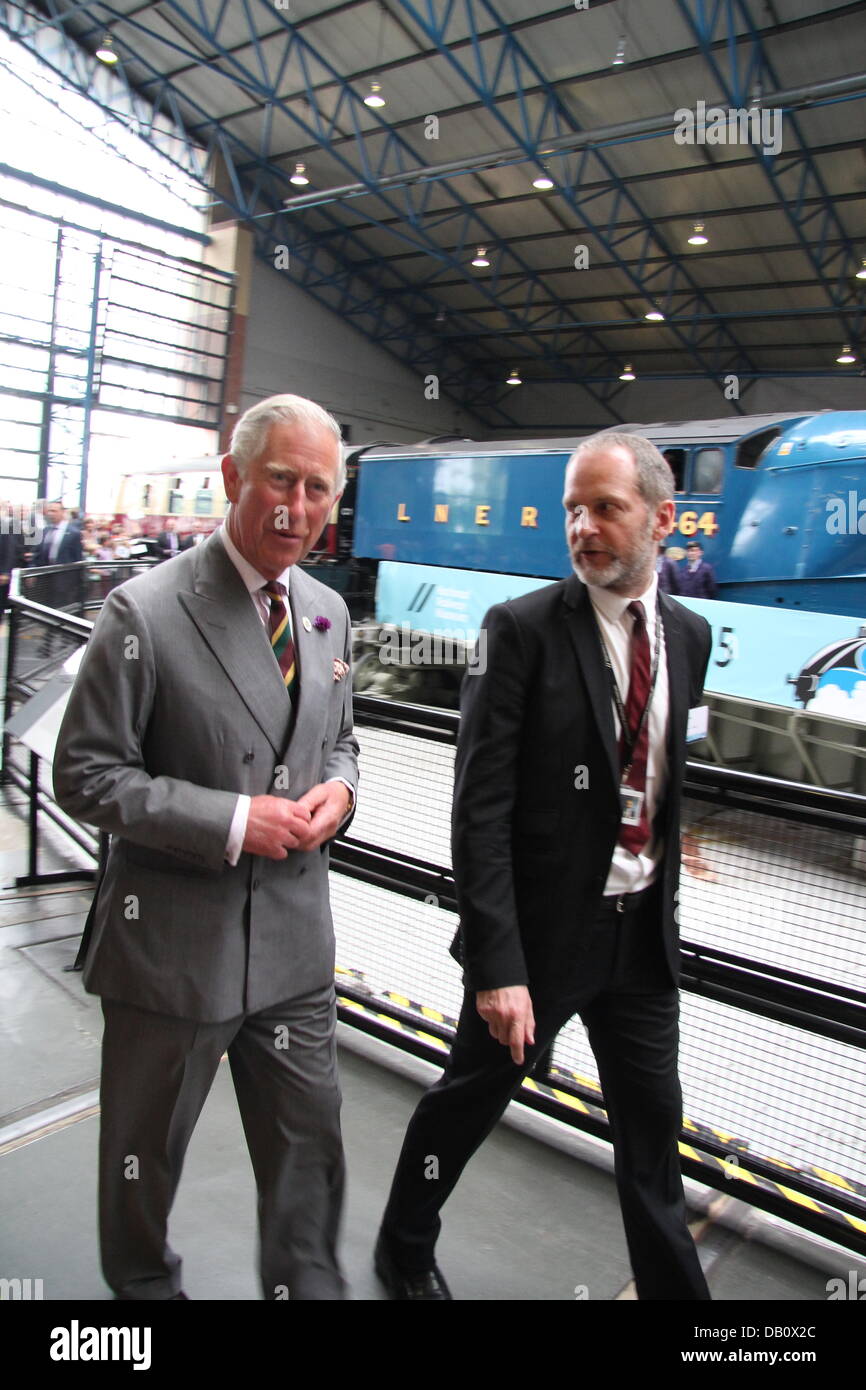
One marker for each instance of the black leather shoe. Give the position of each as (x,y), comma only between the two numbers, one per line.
(427,1285)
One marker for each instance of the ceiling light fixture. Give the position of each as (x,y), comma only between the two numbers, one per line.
(542,181)
(374,96)
(846,356)
(619,57)
(299,177)
(106,52)
(514,379)
(654,315)
(697,237)
(627,373)
(861,273)
(480,258)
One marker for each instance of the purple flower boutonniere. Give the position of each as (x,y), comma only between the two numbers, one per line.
(321,624)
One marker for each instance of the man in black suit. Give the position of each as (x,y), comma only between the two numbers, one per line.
(566,861)
(170,543)
(61,538)
(60,545)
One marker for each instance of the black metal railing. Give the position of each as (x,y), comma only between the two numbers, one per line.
(773,926)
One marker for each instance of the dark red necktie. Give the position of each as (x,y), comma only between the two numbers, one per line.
(635,837)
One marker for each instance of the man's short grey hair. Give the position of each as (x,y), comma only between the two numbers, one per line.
(655,479)
(252,429)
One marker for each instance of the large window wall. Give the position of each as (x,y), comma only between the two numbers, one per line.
(113,329)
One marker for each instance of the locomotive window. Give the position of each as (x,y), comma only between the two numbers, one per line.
(708,471)
(175,502)
(752,449)
(677,460)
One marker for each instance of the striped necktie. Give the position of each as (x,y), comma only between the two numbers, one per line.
(281,637)
(635,837)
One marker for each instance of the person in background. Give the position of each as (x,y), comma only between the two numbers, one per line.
(698,579)
(11,549)
(169,541)
(667,572)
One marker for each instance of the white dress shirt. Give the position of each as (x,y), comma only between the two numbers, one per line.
(255,582)
(629,873)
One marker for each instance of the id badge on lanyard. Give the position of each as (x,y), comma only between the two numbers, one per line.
(630,804)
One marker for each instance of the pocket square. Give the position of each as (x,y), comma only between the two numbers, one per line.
(341,669)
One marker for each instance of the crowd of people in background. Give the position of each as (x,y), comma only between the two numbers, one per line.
(47,533)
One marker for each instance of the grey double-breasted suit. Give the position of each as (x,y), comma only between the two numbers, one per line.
(179,706)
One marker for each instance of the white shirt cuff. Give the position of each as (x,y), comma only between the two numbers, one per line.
(238,829)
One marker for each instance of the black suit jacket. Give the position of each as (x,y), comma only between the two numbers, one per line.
(69,551)
(531,850)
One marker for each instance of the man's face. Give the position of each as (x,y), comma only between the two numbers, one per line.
(612,534)
(280,506)
(693,554)
(53,513)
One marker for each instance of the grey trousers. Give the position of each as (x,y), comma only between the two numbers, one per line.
(156,1074)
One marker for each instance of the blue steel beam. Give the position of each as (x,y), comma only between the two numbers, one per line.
(490,87)
(475,230)
(793,178)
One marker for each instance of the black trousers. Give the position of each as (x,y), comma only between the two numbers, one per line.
(630,1010)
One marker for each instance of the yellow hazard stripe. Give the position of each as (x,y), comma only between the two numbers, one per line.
(735,1171)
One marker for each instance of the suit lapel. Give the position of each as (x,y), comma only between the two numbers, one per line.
(583,632)
(223,612)
(313,653)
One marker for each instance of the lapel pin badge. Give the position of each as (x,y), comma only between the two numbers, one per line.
(341,669)
(308,626)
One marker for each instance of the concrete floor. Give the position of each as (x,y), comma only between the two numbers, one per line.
(527,1222)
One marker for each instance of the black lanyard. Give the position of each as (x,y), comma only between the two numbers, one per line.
(630,742)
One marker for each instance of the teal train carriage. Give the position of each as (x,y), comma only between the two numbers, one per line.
(777,501)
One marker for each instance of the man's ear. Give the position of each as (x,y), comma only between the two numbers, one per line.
(666,516)
(231,478)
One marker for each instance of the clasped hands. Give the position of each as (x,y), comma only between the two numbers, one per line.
(508,1014)
(275,825)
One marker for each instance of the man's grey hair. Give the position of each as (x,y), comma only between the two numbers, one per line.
(252,429)
(655,479)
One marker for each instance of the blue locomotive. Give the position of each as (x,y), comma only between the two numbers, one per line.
(777,501)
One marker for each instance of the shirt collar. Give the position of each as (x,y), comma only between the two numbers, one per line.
(612,606)
(251,577)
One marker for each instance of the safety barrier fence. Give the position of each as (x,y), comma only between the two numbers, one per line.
(773,926)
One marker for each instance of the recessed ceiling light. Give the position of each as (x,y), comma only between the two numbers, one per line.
(106,51)
(654,315)
(374,96)
(543,182)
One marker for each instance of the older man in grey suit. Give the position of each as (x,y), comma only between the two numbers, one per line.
(210,732)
